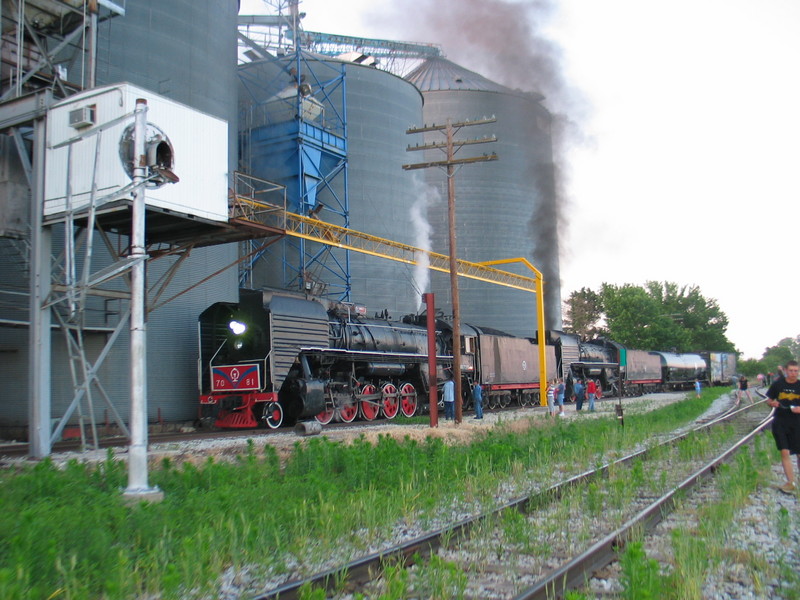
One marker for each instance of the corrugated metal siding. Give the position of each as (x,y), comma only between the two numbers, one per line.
(13,367)
(380,107)
(294,324)
(184,50)
(198,140)
(512,360)
(505,208)
(570,353)
(172,329)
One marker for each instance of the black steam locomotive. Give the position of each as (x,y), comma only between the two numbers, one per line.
(275,357)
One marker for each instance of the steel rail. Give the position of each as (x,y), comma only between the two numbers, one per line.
(13,449)
(578,570)
(363,569)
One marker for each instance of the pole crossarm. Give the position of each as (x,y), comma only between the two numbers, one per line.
(441,145)
(458,125)
(450,162)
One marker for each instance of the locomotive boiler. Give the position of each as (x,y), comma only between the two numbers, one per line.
(277,356)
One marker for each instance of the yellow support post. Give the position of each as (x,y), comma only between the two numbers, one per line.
(539,321)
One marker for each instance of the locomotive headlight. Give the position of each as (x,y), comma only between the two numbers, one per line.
(237,327)
(238,344)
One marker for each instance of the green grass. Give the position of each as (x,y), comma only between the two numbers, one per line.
(697,550)
(67,534)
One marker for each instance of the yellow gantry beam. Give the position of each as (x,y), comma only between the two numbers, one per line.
(340,237)
(314,230)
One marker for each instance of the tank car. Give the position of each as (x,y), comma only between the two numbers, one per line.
(277,356)
(680,371)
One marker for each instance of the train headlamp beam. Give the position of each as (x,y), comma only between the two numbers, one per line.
(237,327)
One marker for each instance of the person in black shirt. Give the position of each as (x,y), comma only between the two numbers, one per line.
(743,390)
(784,396)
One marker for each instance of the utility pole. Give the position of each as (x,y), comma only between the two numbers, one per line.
(450,146)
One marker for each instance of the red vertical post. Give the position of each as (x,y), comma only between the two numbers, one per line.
(433,397)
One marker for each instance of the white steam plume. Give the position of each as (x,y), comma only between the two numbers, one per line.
(426,195)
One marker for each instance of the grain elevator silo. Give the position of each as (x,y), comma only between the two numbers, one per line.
(504,208)
(333,132)
(185,51)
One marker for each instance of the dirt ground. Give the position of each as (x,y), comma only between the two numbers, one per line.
(517,420)
(520,419)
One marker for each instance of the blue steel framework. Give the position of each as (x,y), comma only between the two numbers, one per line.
(316,138)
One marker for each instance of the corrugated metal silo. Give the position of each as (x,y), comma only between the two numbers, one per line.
(187,51)
(182,49)
(378,108)
(504,208)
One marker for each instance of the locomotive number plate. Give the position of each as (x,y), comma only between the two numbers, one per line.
(235,378)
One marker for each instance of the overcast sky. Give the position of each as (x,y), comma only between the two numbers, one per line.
(680,159)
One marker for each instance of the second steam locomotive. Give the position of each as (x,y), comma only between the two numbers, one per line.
(277,357)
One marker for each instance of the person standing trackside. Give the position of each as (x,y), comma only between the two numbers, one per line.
(561,388)
(698,387)
(477,398)
(784,396)
(550,398)
(591,390)
(449,399)
(580,395)
(743,388)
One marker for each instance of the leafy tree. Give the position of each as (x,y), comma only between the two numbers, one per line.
(751,367)
(659,316)
(785,350)
(701,319)
(636,319)
(582,313)
(780,354)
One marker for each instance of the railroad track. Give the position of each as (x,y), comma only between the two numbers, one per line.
(17,449)
(75,445)
(542,544)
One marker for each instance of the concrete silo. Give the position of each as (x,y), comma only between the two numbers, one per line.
(344,157)
(504,208)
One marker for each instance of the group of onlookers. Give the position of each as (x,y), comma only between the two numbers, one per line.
(556,394)
(582,391)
